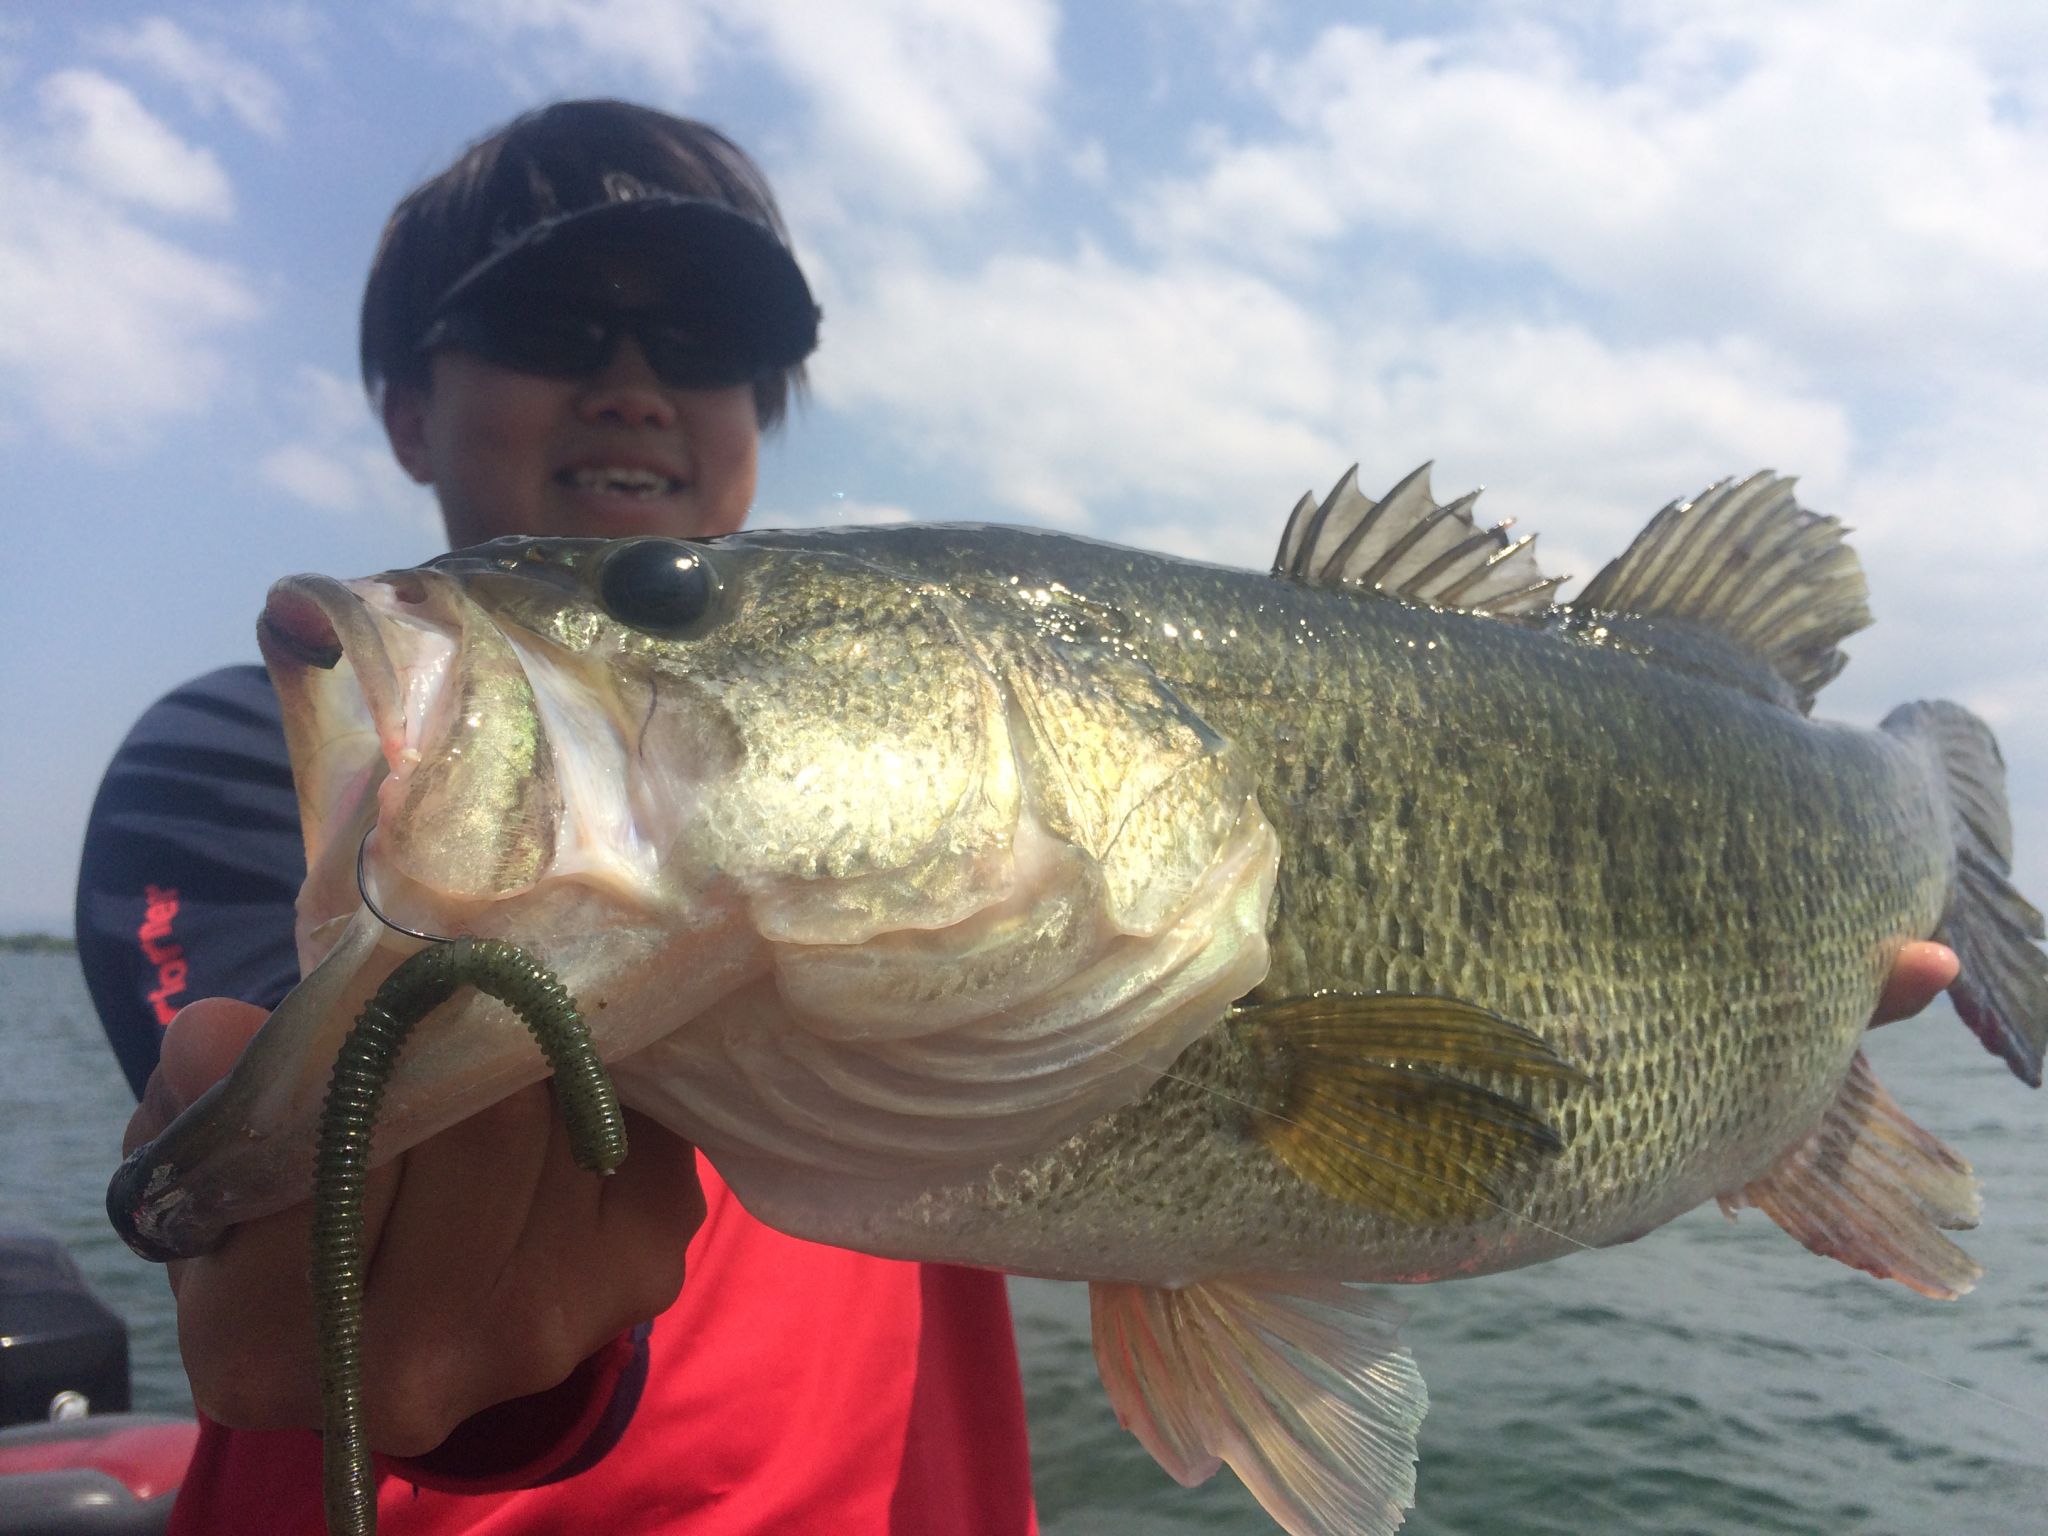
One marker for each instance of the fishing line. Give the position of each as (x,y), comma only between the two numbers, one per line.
(1630,1517)
(1934,1376)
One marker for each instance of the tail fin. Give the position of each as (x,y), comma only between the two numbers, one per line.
(2002,992)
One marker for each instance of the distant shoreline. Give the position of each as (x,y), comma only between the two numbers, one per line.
(36,944)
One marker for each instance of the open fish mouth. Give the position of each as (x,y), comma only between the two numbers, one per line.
(427,782)
(406,709)
(340,692)
(314,625)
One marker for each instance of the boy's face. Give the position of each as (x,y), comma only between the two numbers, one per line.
(613,453)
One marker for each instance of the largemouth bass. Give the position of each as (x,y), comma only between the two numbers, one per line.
(1221,939)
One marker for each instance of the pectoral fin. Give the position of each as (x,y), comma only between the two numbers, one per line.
(1871,1188)
(1425,1108)
(1305,1389)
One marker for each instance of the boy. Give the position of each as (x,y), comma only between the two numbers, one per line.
(580,328)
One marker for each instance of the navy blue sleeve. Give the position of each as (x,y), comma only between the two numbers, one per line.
(192,860)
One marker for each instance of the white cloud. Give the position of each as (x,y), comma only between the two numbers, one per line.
(110,139)
(1710,238)
(1962,488)
(107,330)
(339,463)
(212,77)
(1089,163)
(1075,388)
(1947,519)
(1187,406)
(924,90)
(1811,173)
(312,475)
(672,39)
(914,98)
(839,510)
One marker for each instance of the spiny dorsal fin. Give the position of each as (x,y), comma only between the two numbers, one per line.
(1748,562)
(1373,1099)
(1409,547)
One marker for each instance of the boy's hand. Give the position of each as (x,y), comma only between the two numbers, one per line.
(496,1265)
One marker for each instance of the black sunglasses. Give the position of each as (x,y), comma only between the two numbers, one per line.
(570,342)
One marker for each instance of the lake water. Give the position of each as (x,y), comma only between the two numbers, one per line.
(1714,1379)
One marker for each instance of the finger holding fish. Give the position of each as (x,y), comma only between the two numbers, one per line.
(1920,974)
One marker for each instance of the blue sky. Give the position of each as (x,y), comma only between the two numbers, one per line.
(1147,271)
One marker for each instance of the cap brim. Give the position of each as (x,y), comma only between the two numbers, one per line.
(739,280)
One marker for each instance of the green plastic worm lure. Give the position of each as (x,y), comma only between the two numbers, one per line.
(597,1139)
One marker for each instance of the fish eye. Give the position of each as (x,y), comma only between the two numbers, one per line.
(662,587)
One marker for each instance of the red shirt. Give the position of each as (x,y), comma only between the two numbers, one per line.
(791,1388)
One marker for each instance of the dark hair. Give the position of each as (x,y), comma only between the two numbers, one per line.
(547,162)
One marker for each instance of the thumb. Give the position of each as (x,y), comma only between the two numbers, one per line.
(199,1046)
(1919,974)
(203,1041)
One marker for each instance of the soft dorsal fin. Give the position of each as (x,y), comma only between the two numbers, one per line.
(1747,562)
(1407,546)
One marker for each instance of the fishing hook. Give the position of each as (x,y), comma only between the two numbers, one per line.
(363,890)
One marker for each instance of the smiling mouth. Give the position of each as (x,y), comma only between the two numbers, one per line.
(621,482)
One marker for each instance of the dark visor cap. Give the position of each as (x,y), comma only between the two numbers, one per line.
(729,271)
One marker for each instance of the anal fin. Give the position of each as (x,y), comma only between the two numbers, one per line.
(1302,1386)
(1871,1188)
